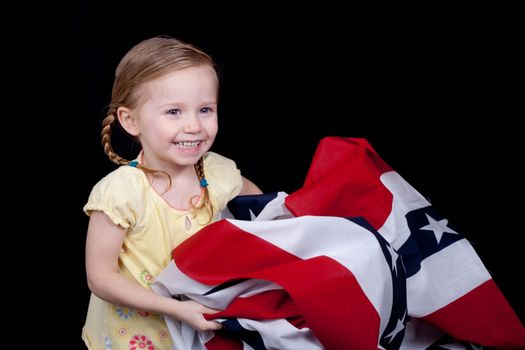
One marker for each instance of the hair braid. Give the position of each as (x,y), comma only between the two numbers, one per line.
(205,203)
(106,140)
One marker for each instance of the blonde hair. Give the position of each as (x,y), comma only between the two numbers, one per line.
(146,61)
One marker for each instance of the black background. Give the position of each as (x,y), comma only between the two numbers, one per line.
(433,90)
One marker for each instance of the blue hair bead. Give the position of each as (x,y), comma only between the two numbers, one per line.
(133,163)
(204,183)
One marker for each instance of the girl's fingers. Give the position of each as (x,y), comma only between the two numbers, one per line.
(207,310)
(215,326)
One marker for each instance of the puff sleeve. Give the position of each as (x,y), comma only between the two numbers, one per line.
(121,196)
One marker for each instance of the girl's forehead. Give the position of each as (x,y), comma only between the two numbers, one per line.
(186,78)
(197,84)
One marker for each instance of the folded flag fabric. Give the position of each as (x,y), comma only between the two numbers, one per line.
(355,259)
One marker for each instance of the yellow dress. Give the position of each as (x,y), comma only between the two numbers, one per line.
(154,229)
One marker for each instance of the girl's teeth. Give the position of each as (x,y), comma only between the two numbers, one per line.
(187,144)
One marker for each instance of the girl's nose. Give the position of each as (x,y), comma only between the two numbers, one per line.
(192,125)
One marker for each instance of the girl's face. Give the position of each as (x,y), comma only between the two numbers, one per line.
(176,122)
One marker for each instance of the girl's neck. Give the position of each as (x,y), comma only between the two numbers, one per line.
(181,186)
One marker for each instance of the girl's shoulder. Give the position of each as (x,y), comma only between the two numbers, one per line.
(124,180)
(124,184)
(124,175)
(220,169)
(223,177)
(215,161)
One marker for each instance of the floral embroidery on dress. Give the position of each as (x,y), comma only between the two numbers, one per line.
(163,334)
(122,331)
(139,342)
(146,277)
(124,313)
(143,313)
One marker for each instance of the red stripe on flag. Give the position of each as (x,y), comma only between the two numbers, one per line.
(482,316)
(326,293)
(272,304)
(221,251)
(343,180)
(221,341)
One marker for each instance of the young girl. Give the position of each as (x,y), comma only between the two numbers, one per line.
(165,96)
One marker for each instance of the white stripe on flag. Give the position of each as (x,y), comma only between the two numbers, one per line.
(419,335)
(446,275)
(395,229)
(172,281)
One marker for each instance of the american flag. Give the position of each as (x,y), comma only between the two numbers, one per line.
(356,259)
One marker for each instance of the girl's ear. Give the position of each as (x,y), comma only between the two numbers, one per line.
(128,121)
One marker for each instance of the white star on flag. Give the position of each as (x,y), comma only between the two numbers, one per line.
(438,227)
(394,257)
(399,327)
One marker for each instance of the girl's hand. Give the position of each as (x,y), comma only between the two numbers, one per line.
(192,312)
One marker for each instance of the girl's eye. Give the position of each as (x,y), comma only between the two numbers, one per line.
(174,111)
(205,110)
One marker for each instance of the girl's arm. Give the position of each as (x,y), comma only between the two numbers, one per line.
(103,245)
(249,187)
